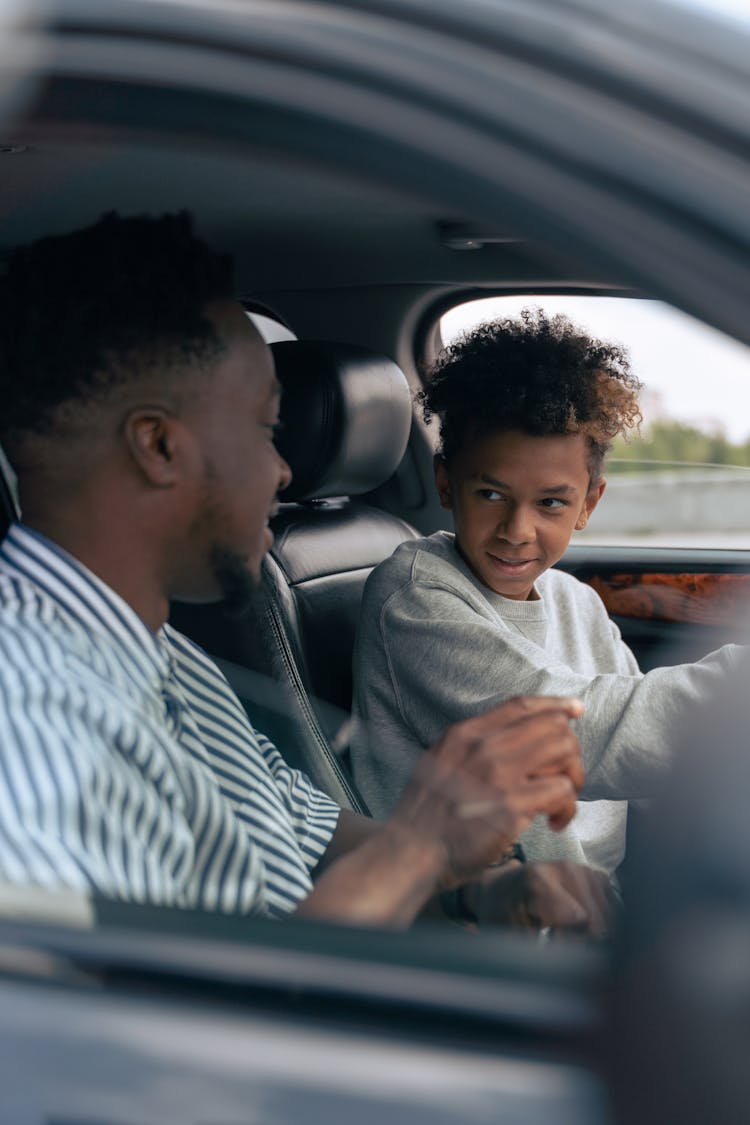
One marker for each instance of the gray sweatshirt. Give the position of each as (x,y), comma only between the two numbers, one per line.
(435,646)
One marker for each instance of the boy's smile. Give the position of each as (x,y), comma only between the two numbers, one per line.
(516,500)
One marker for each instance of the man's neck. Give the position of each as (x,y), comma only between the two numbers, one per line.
(114,556)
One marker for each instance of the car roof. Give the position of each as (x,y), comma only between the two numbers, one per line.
(358,144)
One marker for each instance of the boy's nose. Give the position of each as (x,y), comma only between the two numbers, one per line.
(517,527)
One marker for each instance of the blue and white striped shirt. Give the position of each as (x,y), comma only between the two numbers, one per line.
(127,764)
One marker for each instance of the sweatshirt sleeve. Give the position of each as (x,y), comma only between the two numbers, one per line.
(446,663)
(626,661)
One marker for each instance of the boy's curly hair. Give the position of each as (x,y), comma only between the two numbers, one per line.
(537,374)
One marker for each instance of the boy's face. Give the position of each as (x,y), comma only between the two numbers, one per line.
(516,500)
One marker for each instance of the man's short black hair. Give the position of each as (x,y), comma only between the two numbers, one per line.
(82,312)
(537,374)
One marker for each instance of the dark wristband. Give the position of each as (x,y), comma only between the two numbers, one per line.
(516,852)
(456,904)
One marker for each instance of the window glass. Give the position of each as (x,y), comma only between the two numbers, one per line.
(685,481)
(725,9)
(272,330)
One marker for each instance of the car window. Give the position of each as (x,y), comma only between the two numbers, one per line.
(271,329)
(685,480)
(732,9)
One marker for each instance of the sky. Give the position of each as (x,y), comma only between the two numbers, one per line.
(691,373)
(737,8)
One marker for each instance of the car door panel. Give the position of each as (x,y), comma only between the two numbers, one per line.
(671,605)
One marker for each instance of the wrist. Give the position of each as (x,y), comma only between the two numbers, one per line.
(515,851)
(385,880)
(463,903)
(425,858)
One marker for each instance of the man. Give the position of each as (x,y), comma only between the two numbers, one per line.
(140,413)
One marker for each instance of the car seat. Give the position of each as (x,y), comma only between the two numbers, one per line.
(9,509)
(346,416)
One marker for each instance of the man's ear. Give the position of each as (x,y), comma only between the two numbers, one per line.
(593,496)
(155,440)
(442,482)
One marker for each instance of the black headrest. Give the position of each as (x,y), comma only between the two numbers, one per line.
(346,415)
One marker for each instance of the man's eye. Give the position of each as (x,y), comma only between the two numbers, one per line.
(490,494)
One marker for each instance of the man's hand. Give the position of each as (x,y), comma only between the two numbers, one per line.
(564,896)
(469,798)
(486,780)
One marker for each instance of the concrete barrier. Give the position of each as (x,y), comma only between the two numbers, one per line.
(673,500)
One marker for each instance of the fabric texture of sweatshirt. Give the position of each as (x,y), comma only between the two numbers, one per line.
(436,646)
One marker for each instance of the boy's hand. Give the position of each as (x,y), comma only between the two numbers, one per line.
(475,791)
(564,896)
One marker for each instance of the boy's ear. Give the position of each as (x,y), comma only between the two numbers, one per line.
(593,496)
(154,438)
(442,481)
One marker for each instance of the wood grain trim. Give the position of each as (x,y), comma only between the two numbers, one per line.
(703,599)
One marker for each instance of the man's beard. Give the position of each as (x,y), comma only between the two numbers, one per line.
(240,591)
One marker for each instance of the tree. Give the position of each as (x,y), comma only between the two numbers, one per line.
(675,445)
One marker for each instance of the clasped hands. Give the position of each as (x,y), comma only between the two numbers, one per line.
(480,786)
(470,797)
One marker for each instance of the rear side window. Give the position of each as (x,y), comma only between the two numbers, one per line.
(686,480)
(272,330)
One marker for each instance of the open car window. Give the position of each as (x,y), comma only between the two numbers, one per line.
(335,149)
(684,481)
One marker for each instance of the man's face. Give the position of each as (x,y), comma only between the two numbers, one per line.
(516,500)
(233,423)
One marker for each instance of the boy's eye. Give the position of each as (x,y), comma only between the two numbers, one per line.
(490,494)
(553,503)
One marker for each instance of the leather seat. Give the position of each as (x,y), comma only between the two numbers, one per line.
(346,417)
(9,509)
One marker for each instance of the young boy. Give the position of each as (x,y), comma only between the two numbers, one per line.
(452,624)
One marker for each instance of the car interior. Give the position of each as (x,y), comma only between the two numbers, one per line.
(358,266)
(359,207)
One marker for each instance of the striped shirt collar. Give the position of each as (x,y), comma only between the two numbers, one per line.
(87,600)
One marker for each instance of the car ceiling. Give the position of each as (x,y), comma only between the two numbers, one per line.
(291,224)
(322,144)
